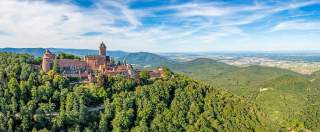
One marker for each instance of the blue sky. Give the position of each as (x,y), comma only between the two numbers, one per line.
(162,25)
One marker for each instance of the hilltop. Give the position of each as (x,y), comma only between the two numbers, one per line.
(282,94)
(195,68)
(147,60)
(35,100)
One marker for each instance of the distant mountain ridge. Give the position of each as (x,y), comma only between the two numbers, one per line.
(145,60)
(78,52)
(31,51)
(140,59)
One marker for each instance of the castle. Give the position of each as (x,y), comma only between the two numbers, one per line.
(87,66)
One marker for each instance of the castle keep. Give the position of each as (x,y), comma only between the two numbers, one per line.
(88,65)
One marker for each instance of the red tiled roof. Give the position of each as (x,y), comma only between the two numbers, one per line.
(71,62)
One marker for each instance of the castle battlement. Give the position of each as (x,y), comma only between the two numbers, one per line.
(87,65)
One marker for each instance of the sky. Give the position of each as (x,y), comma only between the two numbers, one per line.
(162,25)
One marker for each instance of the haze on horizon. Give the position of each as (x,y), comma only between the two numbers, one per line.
(162,26)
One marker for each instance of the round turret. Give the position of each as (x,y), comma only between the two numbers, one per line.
(47,60)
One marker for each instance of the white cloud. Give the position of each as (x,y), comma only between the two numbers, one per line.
(191,10)
(211,9)
(297,25)
(43,24)
(233,14)
(294,5)
(40,24)
(130,15)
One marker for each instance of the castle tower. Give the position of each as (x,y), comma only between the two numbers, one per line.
(47,60)
(102,49)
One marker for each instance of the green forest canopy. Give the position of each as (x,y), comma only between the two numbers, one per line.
(33,100)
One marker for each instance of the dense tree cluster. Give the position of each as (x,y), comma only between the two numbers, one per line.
(311,113)
(33,100)
(288,98)
(63,55)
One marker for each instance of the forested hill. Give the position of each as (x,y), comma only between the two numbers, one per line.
(202,68)
(285,96)
(147,60)
(288,98)
(33,100)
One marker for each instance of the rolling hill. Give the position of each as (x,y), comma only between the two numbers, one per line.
(172,103)
(282,94)
(193,68)
(201,68)
(147,60)
(250,76)
(286,97)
